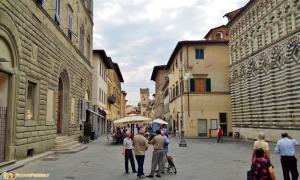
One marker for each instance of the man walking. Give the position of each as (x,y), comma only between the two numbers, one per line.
(286,148)
(158,154)
(140,147)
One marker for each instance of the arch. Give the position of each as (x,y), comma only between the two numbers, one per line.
(63,97)
(11,47)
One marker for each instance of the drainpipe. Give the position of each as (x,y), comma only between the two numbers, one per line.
(188,84)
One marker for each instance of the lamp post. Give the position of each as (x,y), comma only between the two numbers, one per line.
(182,142)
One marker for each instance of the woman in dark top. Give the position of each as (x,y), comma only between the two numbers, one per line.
(261,168)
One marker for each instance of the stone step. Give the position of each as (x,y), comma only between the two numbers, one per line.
(68,144)
(61,138)
(63,141)
(74,150)
(67,147)
(7,163)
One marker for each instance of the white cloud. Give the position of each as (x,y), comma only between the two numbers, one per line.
(139,34)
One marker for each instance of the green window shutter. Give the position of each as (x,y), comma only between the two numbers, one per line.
(208,85)
(192,85)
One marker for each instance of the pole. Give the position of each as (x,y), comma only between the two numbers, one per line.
(182,142)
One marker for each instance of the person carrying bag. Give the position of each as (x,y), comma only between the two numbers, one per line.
(261,168)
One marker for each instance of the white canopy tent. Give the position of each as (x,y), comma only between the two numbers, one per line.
(159,121)
(132,119)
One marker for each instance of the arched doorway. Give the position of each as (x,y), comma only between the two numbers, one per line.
(8,86)
(62,104)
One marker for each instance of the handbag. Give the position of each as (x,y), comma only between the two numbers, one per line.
(250,175)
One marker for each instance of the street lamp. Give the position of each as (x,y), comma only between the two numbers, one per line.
(182,142)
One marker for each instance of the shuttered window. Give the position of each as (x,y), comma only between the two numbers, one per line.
(200,85)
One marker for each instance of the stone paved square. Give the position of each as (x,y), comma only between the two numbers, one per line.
(203,159)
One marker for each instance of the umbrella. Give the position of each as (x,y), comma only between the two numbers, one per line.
(132,119)
(160,121)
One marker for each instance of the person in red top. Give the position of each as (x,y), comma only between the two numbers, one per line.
(220,134)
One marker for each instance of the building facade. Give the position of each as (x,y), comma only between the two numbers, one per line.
(45,69)
(101,63)
(159,76)
(264,70)
(115,79)
(144,101)
(199,87)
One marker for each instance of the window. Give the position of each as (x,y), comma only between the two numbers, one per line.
(200,85)
(40,2)
(30,101)
(219,35)
(199,53)
(173,92)
(50,106)
(176,90)
(99,94)
(57,12)
(70,23)
(81,39)
(181,88)
(100,68)
(213,124)
(181,58)
(88,48)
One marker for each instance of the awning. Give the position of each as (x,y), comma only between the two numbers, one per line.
(93,112)
(133,119)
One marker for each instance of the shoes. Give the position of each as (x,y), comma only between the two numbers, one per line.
(134,171)
(126,172)
(149,176)
(141,176)
(158,175)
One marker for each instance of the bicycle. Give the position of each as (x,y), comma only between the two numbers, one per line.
(171,166)
(237,135)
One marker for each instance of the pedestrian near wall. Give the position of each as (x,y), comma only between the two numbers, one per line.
(158,154)
(286,147)
(127,152)
(261,143)
(220,134)
(140,147)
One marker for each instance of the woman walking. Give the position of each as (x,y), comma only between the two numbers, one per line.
(127,152)
(261,168)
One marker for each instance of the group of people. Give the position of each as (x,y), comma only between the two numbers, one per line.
(138,145)
(262,168)
(119,133)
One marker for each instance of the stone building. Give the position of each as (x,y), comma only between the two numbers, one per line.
(45,69)
(159,76)
(265,66)
(199,87)
(123,104)
(115,79)
(101,64)
(218,33)
(146,104)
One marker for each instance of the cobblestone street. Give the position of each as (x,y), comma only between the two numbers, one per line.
(203,159)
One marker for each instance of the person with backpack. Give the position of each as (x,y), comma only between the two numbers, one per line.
(261,168)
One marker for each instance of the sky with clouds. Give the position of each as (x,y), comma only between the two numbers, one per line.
(139,34)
